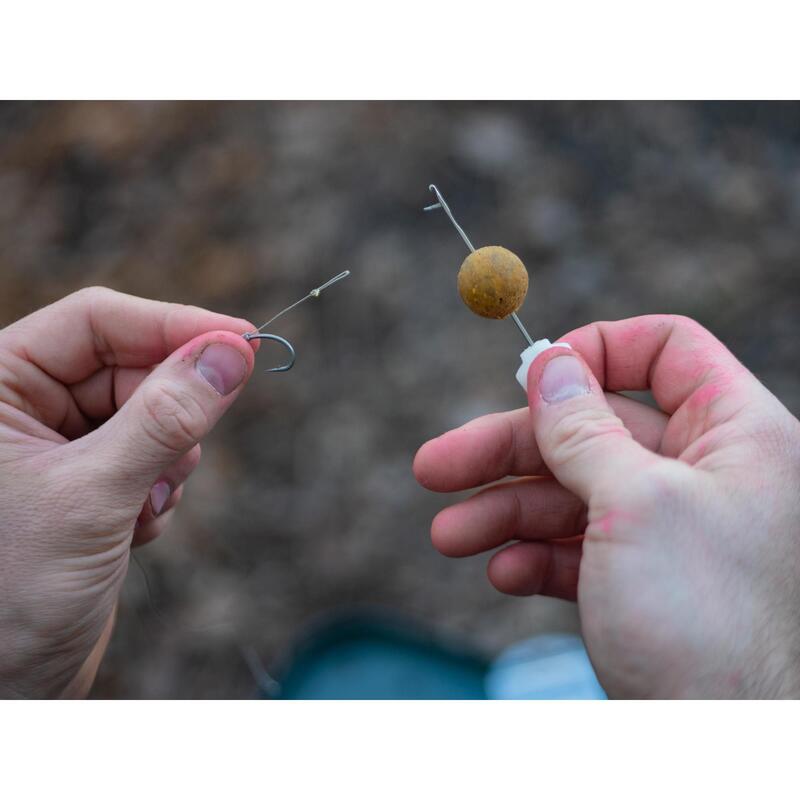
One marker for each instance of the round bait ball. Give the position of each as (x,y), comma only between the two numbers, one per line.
(493,282)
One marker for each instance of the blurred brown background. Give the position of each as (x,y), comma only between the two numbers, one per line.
(304,503)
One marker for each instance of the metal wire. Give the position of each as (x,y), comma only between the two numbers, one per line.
(312,293)
(256,334)
(440,203)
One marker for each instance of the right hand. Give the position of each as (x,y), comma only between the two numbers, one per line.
(677,531)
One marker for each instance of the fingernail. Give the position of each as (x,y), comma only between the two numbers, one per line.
(562,378)
(222,366)
(159,495)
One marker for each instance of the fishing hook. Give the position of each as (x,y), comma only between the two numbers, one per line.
(256,334)
(272,337)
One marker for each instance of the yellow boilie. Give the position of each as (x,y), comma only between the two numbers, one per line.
(493,282)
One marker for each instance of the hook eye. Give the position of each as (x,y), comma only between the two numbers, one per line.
(272,337)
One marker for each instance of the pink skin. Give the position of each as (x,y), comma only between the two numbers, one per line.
(102,398)
(673,529)
(610,520)
(705,395)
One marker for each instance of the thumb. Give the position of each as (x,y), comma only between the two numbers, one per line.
(583,442)
(171,410)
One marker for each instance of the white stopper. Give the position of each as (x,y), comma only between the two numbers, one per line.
(528,356)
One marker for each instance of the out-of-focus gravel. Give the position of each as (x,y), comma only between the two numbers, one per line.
(304,502)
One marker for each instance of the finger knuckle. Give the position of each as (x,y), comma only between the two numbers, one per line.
(193,458)
(93,294)
(681,320)
(686,323)
(689,327)
(173,418)
(572,435)
(663,487)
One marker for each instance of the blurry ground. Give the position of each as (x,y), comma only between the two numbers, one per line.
(304,502)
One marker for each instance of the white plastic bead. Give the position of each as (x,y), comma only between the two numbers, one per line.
(528,356)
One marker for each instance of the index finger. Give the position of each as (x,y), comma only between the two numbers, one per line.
(98,327)
(693,377)
(673,356)
(492,447)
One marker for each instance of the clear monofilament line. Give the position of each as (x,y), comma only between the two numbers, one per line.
(443,205)
(313,293)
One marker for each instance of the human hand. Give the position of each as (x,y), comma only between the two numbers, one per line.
(677,531)
(103,400)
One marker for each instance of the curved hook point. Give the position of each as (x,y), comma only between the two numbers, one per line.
(272,337)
